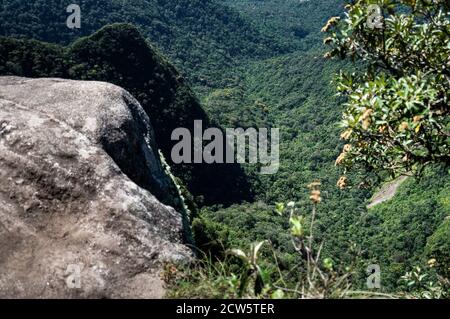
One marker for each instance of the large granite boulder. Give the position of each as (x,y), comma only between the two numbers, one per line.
(79,172)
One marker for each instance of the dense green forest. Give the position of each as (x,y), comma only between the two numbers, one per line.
(192,33)
(396,232)
(250,63)
(295,22)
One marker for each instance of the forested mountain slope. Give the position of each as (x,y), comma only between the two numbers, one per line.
(201,37)
(296,23)
(294,92)
(410,228)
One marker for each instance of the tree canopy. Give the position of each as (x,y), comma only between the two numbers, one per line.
(396,117)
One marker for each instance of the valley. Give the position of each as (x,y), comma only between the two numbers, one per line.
(240,64)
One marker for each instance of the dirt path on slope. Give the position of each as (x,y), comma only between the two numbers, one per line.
(387,191)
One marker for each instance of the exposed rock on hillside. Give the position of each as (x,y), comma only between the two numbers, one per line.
(72,155)
(386,192)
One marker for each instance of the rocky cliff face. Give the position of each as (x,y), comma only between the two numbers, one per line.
(78,174)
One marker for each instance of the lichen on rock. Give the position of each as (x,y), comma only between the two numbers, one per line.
(81,185)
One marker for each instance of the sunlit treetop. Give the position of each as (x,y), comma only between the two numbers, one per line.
(396,115)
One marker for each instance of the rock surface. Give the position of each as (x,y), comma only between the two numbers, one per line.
(386,192)
(78,167)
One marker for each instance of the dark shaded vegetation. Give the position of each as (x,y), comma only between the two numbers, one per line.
(202,37)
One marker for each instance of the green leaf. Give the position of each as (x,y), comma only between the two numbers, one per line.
(279,208)
(238,253)
(297,226)
(259,283)
(256,249)
(277,294)
(328,264)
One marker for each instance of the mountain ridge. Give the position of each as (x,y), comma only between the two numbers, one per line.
(119,54)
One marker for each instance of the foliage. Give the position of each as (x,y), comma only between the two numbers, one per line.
(318,278)
(206,279)
(419,283)
(295,89)
(396,117)
(202,37)
(295,23)
(210,237)
(262,275)
(312,277)
(251,269)
(300,101)
(438,248)
(403,232)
